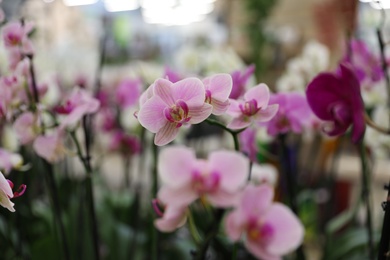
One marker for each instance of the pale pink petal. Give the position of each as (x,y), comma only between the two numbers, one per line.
(240,122)
(148,93)
(50,147)
(77,114)
(288,231)
(234,108)
(232,167)
(220,86)
(223,199)
(172,219)
(190,90)
(264,115)
(175,166)
(151,114)
(5,187)
(24,127)
(219,107)
(166,134)
(6,202)
(256,200)
(259,251)
(199,114)
(260,93)
(234,225)
(180,197)
(163,89)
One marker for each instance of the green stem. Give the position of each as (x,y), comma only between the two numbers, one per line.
(289,174)
(49,168)
(213,229)
(85,160)
(366,197)
(193,230)
(154,194)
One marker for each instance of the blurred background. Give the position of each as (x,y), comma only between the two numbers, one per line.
(82,42)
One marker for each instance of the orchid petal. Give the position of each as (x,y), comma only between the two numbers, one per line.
(260,93)
(199,114)
(166,134)
(190,90)
(151,114)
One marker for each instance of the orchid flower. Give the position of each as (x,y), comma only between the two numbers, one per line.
(218,88)
(172,218)
(78,104)
(336,97)
(254,108)
(9,160)
(50,146)
(271,229)
(186,178)
(171,106)
(240,79)
(6,194)
(128,92)
(293,115)
(26,127)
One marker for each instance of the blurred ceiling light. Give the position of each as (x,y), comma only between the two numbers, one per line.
(120,5)
(79,2)
(176,12)
(48,1)
(383,4)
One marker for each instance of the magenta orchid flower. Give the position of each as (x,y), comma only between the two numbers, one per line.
(293,115)
(271,229)
(128,92)
(240,79)
(336,97)
(218,88)
(171,219)
(254,108)
(79,104)
(171,106)
(186,178)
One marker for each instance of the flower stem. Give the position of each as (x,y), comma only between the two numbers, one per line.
(372,124)
(154,194)
(213,229)
(193,230)
(366,197)
(287,171)
(85,160)
(51,184)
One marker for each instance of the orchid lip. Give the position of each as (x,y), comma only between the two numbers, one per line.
(178,113)
(249,108)
(156,208)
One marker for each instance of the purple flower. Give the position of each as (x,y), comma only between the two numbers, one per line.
(293,114)
(336,97)
(128,92)
(240,79)
(364,63)
(248,143)
(166,106)
(218,87)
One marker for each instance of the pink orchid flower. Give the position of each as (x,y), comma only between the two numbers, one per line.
(271,229)
(16,35)
(218,88)
(254,108)
(294,114)
(6,194)
(171,106)
(128,92)
(50,146)
(26,127)
(171,75)
(171,219)
(186,178)
(336,97)
(79,104)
